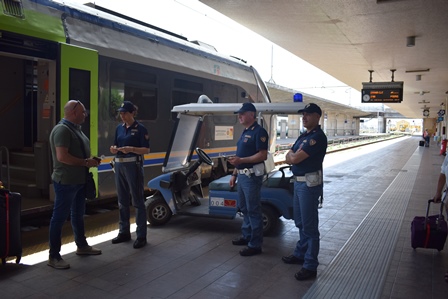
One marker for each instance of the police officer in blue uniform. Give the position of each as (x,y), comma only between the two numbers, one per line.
(306,157)
(252,150)
(131,143)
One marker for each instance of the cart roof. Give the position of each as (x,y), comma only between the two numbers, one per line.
(221,109)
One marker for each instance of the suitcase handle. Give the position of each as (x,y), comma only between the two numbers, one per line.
(440,214)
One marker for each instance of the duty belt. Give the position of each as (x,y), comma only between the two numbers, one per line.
(246,171)
(299,178)
(122,160)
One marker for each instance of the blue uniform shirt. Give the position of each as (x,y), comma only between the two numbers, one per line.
(313,143)
(136,135)
(253,139)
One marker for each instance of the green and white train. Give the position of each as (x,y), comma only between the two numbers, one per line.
(53,51)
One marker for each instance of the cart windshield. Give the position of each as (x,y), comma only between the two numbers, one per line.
(182,142)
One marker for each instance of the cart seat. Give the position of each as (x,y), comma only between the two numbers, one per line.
(274,180)
(279,178)
(222,184)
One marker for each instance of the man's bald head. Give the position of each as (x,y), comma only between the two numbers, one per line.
(75,112)
(69,107)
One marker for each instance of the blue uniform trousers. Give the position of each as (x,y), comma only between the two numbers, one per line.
(249,201)
(129,181)
(69,200)
(306,218)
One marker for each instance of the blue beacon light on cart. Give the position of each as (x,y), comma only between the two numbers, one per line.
(298,97)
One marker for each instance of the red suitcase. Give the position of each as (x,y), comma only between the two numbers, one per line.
(10,231)
(429,231)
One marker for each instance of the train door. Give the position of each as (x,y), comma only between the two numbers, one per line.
(27,82)
(78,68)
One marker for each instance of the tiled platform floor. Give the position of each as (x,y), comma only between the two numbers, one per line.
(194,257)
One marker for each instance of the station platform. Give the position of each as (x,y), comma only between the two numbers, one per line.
(371,195)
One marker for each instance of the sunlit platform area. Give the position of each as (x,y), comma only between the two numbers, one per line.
(371,195)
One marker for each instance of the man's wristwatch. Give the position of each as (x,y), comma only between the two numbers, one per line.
(234,174)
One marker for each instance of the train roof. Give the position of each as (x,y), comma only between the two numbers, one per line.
(106,18)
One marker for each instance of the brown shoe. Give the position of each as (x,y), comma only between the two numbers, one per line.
(88,250)
(58,263)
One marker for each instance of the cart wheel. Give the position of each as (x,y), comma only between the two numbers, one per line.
(157,210)
(270,219)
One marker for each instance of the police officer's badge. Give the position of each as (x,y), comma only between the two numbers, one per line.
(263,139)
(312,142)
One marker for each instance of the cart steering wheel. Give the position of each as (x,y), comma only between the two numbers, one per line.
(203,157)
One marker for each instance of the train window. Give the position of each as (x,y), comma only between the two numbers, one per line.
(225,93)
(131,83)
(188,85)
(183,97)
(79,85)
(145,98)
(225,119)
(79,89)
(116,98)
(185,92)
(127,73)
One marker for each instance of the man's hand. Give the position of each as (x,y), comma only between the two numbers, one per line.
(437,198)
(113,149)
(234,160)
(232,181)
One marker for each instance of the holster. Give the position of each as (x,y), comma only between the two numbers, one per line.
(314,178)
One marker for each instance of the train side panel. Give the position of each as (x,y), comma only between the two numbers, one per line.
(57,50)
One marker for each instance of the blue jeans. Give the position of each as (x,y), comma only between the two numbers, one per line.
(249,203)
(69,200)
(306,219)
(129,182)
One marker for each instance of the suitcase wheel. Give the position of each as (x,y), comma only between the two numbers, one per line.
(18,258)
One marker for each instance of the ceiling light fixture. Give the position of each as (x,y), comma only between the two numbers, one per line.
(418,71)
(410,41)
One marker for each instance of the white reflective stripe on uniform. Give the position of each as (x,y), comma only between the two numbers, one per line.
(300,178)
(121,160)
(245,170)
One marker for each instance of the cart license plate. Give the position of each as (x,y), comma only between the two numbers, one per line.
(221,202)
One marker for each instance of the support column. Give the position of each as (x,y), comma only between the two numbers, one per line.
(331,124)
(294,125)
